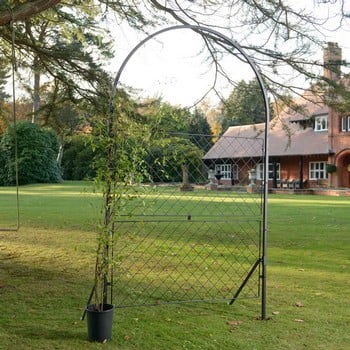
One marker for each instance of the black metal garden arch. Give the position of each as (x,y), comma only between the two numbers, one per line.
(213,34)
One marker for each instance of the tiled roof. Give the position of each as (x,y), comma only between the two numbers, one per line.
(309,105)
(285,138)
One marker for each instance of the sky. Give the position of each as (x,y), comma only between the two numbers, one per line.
(172,67)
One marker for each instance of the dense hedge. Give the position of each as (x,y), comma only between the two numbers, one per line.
(78,159)
(37,153)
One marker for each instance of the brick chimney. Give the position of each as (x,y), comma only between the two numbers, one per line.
(332,59)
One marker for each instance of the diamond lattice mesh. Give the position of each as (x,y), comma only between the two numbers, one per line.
(191,229)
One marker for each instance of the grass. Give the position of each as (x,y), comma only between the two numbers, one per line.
(46,272)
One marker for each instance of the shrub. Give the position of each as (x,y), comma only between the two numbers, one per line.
(77,159)
(331,168)
(37,152)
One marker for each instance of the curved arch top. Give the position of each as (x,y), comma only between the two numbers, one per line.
(203,31)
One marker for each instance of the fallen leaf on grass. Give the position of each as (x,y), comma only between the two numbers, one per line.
(226,289)
(127,337)
(299,304)
(234,323)
(298,320)
(275,312)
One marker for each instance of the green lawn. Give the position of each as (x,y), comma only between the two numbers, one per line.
(46,274)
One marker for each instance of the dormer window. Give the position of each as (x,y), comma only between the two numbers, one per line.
(321,123)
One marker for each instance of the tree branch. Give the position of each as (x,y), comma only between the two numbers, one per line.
(23,11)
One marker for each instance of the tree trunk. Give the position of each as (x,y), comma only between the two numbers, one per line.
(24,11)
(60,150)
(36,90)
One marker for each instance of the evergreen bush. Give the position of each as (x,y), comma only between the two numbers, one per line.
(78,159)
(37,152)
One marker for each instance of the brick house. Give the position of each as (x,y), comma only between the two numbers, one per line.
(307,149)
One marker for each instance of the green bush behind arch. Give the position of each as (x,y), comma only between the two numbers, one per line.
(37,150)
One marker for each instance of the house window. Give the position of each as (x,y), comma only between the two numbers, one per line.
(227,171)
(260,171)
(345,123)
(321,123)
(224,170)
(317,170)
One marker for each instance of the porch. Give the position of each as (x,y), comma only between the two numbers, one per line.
(314,190)
(319,191)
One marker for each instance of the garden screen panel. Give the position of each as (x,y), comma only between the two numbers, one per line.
(190,228)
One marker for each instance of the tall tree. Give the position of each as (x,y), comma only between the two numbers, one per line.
(245,105)
(199,129)
(276,34)
(59,44)
(60,114)
(62,42)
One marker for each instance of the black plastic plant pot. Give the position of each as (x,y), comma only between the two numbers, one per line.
(100,323)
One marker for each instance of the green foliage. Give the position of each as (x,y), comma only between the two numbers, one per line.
(116,148)
(147,145)
(245,105)
(165,157)
(37,152)
(78,159)
(58,112)
(199,126)
(173,139)
(331,168)
(66,44)
(163,117)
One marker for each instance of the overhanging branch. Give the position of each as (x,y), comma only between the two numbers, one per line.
(26,10)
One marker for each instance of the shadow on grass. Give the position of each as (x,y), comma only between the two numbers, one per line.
(39,303)
(46,333)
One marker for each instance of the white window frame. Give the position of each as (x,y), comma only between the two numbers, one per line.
(227,171)
(260,171)
(321,123)
(348,123)
(317,170)
(344,124)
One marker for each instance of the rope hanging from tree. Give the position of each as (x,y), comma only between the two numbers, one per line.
(14,119)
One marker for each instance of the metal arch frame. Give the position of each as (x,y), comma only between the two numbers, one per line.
(206,31)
